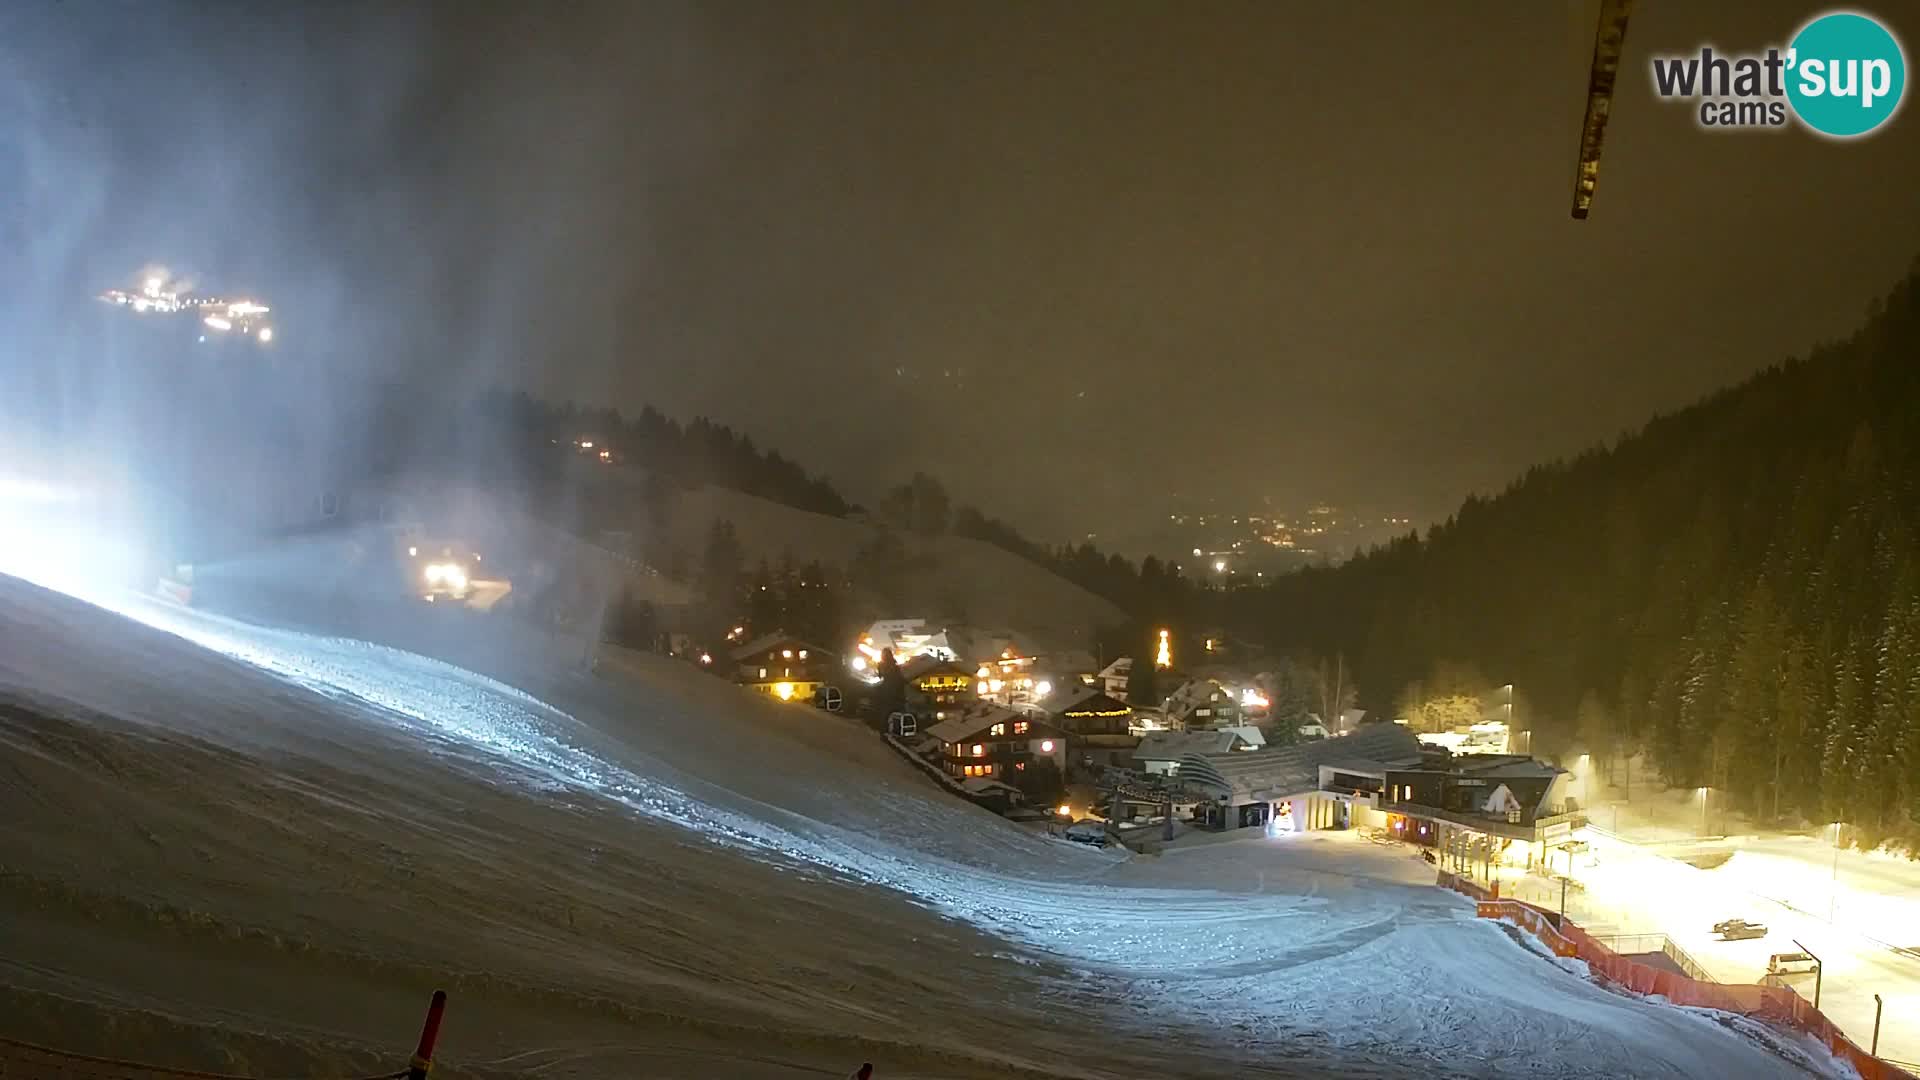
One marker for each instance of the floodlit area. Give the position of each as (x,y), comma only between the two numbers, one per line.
(1663,873)
(645,871)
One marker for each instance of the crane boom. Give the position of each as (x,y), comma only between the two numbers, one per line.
(1609,39)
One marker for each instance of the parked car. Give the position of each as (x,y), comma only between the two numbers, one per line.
(1724,925)
(1088,831)
(1744,931)
(1791,963)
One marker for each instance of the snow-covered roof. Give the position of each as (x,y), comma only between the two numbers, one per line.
(1194,693)
(1514,765)
(1119,669)
(987,785)
(1251,734)
(767,641)
(1289,770)
(927,663)
(1176,745)
(1079,696)
(965,725)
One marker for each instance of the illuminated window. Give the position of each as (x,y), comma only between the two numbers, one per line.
(979,750)
(803,654)
(763,673)
(1020,727)
(997,729)
(1019,766)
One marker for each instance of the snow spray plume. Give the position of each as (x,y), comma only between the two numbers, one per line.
(420,234)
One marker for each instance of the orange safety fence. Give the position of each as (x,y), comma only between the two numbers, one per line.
(1777,1004)
(1466,886)
(28,1061)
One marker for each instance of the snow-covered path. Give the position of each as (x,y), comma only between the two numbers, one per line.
(621,875)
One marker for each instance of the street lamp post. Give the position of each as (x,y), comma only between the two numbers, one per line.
(1875,1052)
(1819,971)
(1833,883)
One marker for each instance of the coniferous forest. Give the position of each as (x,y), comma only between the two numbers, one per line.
(1733,591)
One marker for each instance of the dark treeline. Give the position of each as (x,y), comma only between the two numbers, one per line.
(1734,591)
(702,452)
(691,455)
(1152,590)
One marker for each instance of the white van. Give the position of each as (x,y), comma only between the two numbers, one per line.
(1791,963)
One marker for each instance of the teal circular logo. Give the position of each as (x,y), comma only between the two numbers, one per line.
(1845,74)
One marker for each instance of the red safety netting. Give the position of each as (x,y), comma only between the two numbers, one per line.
(1777,1004)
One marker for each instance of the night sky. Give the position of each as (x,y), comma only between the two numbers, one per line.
(1087,262)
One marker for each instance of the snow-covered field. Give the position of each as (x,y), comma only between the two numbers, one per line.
(242,848)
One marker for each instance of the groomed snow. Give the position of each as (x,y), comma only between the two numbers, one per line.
(263,860)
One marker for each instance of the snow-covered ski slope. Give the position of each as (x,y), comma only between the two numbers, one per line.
(243,848)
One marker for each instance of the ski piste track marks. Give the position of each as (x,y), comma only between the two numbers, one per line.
(1258,960)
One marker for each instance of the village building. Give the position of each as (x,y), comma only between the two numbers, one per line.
(783,666)
(936,687)
(1099,726)
(1477,808)
(1281,787)
(1161,752)
(985,740)
(1203,703)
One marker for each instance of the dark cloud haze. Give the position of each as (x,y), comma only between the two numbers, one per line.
(1075,258)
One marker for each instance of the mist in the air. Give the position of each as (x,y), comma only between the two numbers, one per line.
(410,191)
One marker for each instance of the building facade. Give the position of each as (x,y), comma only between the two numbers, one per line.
(987,741)
(783,666)
(1099,726)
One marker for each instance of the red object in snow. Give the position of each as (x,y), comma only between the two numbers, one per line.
(429,1035)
